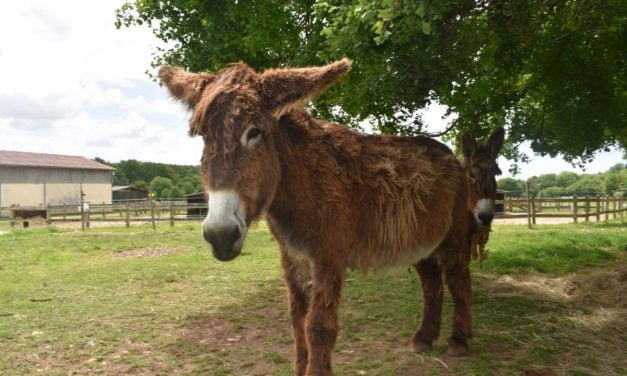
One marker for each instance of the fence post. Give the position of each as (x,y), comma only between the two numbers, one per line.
(528,205)
(607,208)
(575,207)
(152,214)
(171,214)
(48,215)
(87,218)
(13,222)
(82,210)
(128,216)
(586,208)
(598,208)
(616,201)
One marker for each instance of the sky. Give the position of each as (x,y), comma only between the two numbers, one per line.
(71,83)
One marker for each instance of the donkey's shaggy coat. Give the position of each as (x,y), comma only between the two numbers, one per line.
(333,198)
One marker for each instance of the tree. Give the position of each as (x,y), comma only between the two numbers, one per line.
(165,193)
(514,187)
(566,178)
(588,185)
(140,184)
(119,178)
(186,188)
(176,193)
(542,181)
(553,71)
(612,184)
(159,184)
(554,192)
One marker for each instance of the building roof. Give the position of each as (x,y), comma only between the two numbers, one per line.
(25,159)
(128,188)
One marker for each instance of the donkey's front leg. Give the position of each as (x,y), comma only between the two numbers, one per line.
(296,278)
(322,323)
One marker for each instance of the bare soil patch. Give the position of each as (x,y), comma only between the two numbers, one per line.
(146,252)
(540,221)
(260,345)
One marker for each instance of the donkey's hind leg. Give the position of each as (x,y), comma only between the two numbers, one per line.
(458,280)
(430,273)
(298,298)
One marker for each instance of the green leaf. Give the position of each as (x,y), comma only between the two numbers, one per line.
(378,27)
(426,27)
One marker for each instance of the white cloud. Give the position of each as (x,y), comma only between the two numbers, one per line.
(73,84)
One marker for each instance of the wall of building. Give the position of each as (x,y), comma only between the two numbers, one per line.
(36,186)
(22,175)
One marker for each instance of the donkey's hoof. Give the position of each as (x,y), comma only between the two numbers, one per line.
(418,346)
(456,349)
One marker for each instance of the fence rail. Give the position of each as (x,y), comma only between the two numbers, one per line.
(119,212)
(147,211)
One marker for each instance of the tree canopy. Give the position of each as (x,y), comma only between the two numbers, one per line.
(552,71)
(165,180)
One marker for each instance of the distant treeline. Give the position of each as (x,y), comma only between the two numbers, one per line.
(611,183)
(175,181)
(165,180)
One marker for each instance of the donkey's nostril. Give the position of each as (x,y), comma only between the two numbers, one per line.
(486,218)
(223,239)
(235,234)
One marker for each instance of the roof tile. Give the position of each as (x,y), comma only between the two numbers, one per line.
(25,159)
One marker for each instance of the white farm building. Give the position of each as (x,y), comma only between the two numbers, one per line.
(34,179)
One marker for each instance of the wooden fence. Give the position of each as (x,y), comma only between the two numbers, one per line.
(575,208)
(146,211)
(142,211)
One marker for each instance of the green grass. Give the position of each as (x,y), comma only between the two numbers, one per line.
(134,301)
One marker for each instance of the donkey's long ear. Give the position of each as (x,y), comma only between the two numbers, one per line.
(469,144)
(495,141)
(287,88)
(185,86)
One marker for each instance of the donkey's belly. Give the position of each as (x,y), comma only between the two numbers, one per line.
(389,258)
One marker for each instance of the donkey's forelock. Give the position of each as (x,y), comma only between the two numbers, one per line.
(233,98)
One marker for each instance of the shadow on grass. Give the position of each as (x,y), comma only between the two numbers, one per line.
(520,323)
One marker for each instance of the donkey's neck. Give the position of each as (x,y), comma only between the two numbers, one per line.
(305,164)
(298,182)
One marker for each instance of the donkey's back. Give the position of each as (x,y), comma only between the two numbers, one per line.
(398,193)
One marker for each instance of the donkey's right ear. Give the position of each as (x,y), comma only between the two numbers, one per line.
(291,87)
(469,144)
(185,86)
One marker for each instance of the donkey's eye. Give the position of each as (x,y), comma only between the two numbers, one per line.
(253,133)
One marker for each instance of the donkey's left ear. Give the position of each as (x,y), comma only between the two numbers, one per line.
(469,144)
(284,89)
(495,141)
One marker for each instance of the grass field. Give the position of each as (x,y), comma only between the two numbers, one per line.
(118,301)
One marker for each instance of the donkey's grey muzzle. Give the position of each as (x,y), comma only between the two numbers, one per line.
(484,212)
(225,228)
(223,242)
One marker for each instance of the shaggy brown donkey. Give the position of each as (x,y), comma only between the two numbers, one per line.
(450,262)
(333,198)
